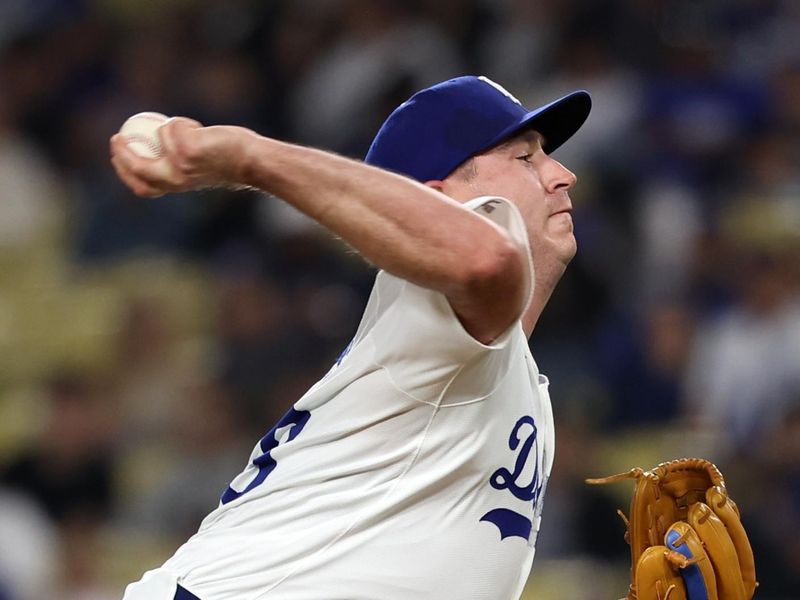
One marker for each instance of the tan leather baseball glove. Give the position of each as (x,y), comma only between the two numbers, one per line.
(687,541)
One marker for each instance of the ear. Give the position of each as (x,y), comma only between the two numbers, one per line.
(435,184)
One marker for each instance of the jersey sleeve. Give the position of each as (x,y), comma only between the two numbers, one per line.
(419,340)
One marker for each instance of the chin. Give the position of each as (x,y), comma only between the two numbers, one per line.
(556,240)
(567,249)
(558,250)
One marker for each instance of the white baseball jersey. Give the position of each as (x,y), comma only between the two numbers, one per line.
(415,469)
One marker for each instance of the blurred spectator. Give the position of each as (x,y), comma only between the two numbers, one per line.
(69,469)
(683,302)
(206,450)
(149,376)
(29,552)
(262,343)
(529,32)
(383,53)
(777,458)
(641,363)
(578,517)
(221,87)
(695,114)
(81,553)
(466,23)
(669,218)
(586,61)
(744,370)
(785,90)
(31,188)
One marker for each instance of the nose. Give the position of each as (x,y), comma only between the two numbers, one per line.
(558,177)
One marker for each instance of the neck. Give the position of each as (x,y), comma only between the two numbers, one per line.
(545,280)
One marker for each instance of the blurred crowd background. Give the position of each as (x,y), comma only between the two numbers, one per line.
(146,345)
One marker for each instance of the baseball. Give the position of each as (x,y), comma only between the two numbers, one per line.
(141,134)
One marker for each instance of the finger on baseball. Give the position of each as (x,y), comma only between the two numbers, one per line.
(156,173)
(114,143)
(134,170)
(119,148)
(136,184)
(126,161)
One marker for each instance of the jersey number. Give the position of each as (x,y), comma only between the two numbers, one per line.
(293,422)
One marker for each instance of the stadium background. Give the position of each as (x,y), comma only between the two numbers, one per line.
(146,345)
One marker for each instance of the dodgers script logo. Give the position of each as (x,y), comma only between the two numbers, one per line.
(524,440)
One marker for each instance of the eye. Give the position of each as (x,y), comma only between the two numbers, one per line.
(525,157)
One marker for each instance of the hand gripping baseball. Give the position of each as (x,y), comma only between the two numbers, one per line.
(194,157)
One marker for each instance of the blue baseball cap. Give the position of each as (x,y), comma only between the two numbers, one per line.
(433,132)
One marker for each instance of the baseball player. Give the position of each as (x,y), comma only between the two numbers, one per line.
(417,466)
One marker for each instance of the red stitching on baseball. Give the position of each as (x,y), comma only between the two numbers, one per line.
(152,145)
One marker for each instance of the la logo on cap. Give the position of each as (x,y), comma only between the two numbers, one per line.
(500,89)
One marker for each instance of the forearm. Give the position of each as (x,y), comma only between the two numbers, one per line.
(399,225)
(404,227)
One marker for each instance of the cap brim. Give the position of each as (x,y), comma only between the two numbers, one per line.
(557,121)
